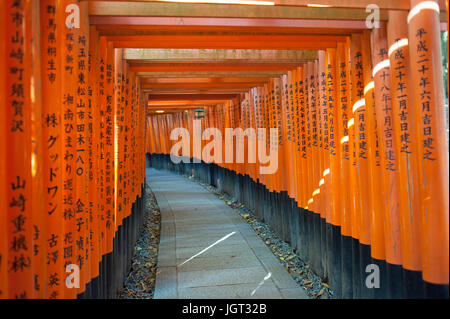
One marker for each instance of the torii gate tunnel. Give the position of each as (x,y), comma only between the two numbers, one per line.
(328,119)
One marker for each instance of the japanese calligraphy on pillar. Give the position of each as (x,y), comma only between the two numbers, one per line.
(69,143)
(18,137)
(81,152)
(52,117)
(386,108)
(343,98)
(425,95)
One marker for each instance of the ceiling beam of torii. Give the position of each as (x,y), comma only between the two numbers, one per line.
(222,55)
(358,4)
(210,74)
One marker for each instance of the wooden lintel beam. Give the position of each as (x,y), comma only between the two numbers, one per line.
(196,91)
(262,42)
(181,10)
(188,85)
(206,38)
(190,97)
(154,103)
(355,4)
(211,74)
(222,55)
(107,24)
(201,81)
(176,68)
(184,106)
(265,44)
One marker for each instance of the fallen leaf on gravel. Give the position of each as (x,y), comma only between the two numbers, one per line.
(320,293)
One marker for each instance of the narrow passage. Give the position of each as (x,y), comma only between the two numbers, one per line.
(209,251)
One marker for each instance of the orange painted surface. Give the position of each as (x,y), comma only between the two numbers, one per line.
(109,111)
(376,189)
(52,160)
(17,134)
(361,132)
(351,147)
(309,68)
(303,196)
(93,174)
(343,104)
(38,241)
(406,141)
(352,134)
(3,188)
(325,181)
(428,94)
(285,147)
(333,136)
(389,161)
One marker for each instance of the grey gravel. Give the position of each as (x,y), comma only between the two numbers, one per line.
(140,282)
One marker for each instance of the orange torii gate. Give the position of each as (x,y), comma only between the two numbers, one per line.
(62,174)
(366,146)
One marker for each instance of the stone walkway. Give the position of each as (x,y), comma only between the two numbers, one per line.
(208,251)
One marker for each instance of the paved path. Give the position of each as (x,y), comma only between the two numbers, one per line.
(208,251)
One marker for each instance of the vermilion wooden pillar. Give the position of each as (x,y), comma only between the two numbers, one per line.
(335,218)
(295,134)
(52,114)
(404,121)
(68,134)
(120,100)
(343,106)
(287,166)
(94,154)
(324,182)
(3,203)
(375,170)
(361,139)
(334,142)
(352,143)
(81,55)
(110,217)
(17,134)
(309,67)
(389,160)
(101,126)
(302,191)
(37,201)
(343,90)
